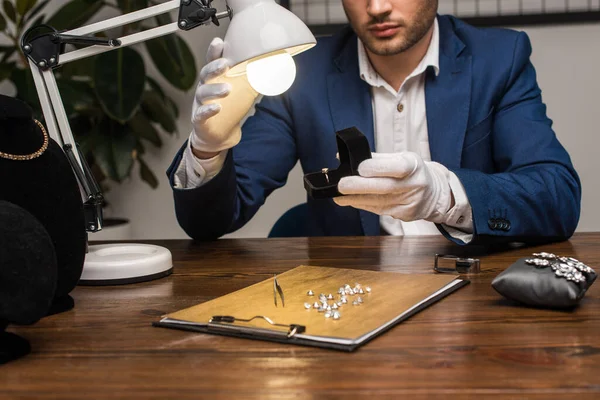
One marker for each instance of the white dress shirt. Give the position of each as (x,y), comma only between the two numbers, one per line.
(400,124)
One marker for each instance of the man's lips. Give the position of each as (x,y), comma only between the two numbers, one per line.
(384,30)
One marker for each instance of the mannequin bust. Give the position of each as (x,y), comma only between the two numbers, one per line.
(39,179)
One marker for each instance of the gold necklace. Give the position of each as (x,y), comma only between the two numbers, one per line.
(25,157)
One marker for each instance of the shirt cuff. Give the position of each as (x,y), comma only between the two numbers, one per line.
(459,219)
(193,172)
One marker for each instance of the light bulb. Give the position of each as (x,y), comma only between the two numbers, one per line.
(272,75)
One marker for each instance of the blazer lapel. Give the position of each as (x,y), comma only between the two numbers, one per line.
(350,105)
(448,99)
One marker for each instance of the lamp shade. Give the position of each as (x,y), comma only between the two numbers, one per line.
(260,28)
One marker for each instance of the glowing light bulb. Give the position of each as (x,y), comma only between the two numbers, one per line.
(272,75)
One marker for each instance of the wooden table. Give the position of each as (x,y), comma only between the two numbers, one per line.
(471,344)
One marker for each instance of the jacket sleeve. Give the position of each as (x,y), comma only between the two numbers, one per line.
(536,193)
(259,164)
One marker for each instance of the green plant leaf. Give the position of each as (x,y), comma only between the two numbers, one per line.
(6,70)
(39,20)
(76,96)
(163,19)
(23,6)
(141,126)
(2,23)
(83,68)
(37,9)
(25,87)
(119,81)
(114,154)
(131,5)
(140,148)
(168,101)
(87,133)
(84,133)
(6,52)
(74,14)
(6,56)
(174,60)
(147,175)
(155,108)
(9,10)
(155,86)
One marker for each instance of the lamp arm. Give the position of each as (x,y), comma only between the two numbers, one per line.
(46,51)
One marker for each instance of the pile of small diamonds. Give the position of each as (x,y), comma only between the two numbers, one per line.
(330,306)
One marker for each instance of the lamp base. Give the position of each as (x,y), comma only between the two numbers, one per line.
(120,264)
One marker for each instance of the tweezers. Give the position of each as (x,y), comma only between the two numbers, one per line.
(277,290)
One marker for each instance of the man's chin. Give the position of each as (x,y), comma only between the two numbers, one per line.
(382,47)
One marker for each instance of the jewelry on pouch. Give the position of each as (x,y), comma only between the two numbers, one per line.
(36,154)
(568,268)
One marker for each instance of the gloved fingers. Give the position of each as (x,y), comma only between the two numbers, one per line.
(210,91)
(204,112)
(215,49)
(343,202)
(369,202)
(213,70)
(397,165)
(381,205)
(383,155)
(358,185)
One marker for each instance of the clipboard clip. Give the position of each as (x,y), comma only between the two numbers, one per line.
(462,265)
(228,319)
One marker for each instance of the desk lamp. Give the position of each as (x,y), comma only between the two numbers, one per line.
(260,41)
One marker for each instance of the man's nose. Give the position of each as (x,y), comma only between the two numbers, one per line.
(379,7)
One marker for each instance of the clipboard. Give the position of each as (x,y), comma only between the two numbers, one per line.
(251,312)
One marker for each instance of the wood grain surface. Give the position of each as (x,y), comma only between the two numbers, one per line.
(472,344)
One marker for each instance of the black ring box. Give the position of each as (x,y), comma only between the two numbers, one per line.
(353,148)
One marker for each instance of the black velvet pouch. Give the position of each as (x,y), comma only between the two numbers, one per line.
(46,187)
(27,266)
(554,285)
(353,148)
(27,276)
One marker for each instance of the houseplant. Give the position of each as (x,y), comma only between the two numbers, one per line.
(114,108)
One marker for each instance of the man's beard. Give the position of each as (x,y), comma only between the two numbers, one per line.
(414,32)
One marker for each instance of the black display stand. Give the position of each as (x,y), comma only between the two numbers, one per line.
(353,148)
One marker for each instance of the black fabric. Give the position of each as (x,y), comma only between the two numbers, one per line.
(46,187)
(353,148)
(27,266)
(12,347)
(539,287)
(61,304)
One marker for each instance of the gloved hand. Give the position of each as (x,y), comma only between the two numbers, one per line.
(401,185)
(220,103)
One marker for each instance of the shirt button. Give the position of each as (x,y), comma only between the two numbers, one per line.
(460,220)
(400,107)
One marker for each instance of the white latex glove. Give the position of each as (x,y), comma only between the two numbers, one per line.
(212,133)
(401,185)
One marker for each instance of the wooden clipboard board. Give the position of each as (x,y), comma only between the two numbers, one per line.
(394,297)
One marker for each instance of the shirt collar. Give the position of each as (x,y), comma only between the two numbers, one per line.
(431,59)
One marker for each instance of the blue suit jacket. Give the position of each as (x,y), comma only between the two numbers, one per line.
(486,123)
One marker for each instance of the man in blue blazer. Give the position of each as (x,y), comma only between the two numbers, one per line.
(453,115)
